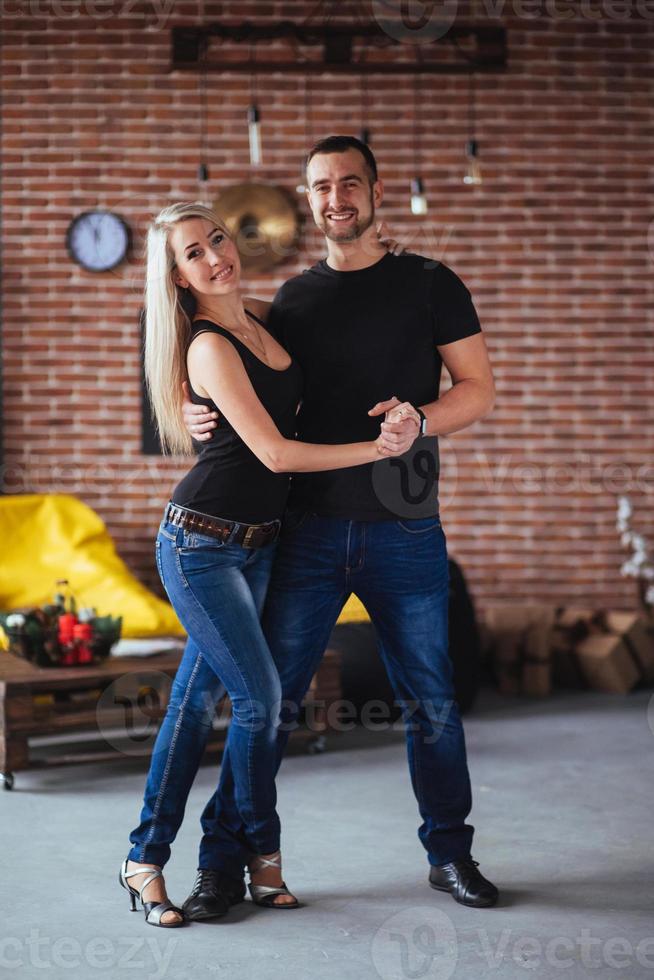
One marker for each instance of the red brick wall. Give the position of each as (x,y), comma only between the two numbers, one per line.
(554,247)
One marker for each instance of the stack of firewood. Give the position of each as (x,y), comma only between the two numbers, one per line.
(535,647)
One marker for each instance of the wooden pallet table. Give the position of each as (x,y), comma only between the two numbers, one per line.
(119,703)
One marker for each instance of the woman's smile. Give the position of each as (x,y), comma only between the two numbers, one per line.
(223,274)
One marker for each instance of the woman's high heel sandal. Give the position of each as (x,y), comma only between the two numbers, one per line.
(153,911)
(265,895)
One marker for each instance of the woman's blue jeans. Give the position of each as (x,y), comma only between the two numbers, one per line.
(217,590)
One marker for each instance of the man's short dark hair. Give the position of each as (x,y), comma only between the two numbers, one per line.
(340,144)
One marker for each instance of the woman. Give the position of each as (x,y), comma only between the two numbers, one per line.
(216,543)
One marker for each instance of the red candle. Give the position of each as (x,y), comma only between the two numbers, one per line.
(67,623)
(82,636)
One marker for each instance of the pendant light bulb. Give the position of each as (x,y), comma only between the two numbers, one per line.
(473,170)
(418,197)
(254,135)
(301,186)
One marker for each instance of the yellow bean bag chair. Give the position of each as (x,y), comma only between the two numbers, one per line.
(50,537)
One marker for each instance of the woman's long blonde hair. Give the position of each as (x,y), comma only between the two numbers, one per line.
(168,325)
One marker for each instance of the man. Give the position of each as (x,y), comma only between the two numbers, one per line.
(363,323)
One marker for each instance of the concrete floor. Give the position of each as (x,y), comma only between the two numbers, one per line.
(564,806)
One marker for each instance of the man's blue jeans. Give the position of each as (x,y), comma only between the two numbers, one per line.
(218,592)
(399,571)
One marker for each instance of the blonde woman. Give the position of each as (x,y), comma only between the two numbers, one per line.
(214,553)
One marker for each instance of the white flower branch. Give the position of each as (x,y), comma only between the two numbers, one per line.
(639,565)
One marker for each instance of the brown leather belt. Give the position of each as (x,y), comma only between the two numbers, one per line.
(247,535)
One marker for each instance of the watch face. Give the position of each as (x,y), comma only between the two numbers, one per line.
(98,240)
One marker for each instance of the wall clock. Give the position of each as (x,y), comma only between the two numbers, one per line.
(98,240)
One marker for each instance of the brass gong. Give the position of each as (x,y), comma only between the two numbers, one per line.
(263,221)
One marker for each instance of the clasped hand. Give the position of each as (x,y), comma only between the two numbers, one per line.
(399,429)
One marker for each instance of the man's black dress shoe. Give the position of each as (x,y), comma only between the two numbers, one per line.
(465,884)
(213,894)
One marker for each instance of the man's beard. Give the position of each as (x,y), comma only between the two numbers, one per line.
(350,234)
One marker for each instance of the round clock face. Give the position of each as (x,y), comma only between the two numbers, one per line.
(98,240)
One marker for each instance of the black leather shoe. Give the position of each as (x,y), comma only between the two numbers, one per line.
(465,884)
(213,894)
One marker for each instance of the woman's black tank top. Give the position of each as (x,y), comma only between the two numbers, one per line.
(228,480)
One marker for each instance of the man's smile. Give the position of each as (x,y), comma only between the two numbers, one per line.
(340,215)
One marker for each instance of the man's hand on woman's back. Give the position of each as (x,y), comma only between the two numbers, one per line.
(198,419)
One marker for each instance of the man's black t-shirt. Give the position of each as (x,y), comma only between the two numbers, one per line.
(360,338)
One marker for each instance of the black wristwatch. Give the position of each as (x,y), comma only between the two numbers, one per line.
(423,422)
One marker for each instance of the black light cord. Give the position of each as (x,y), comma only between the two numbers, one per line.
(203,172)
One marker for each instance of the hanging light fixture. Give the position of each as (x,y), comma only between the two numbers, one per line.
(254,118)
(203,170)
(364,132)
(418,197)
(473,170)
(301,187)
(419,204)
(254,134)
